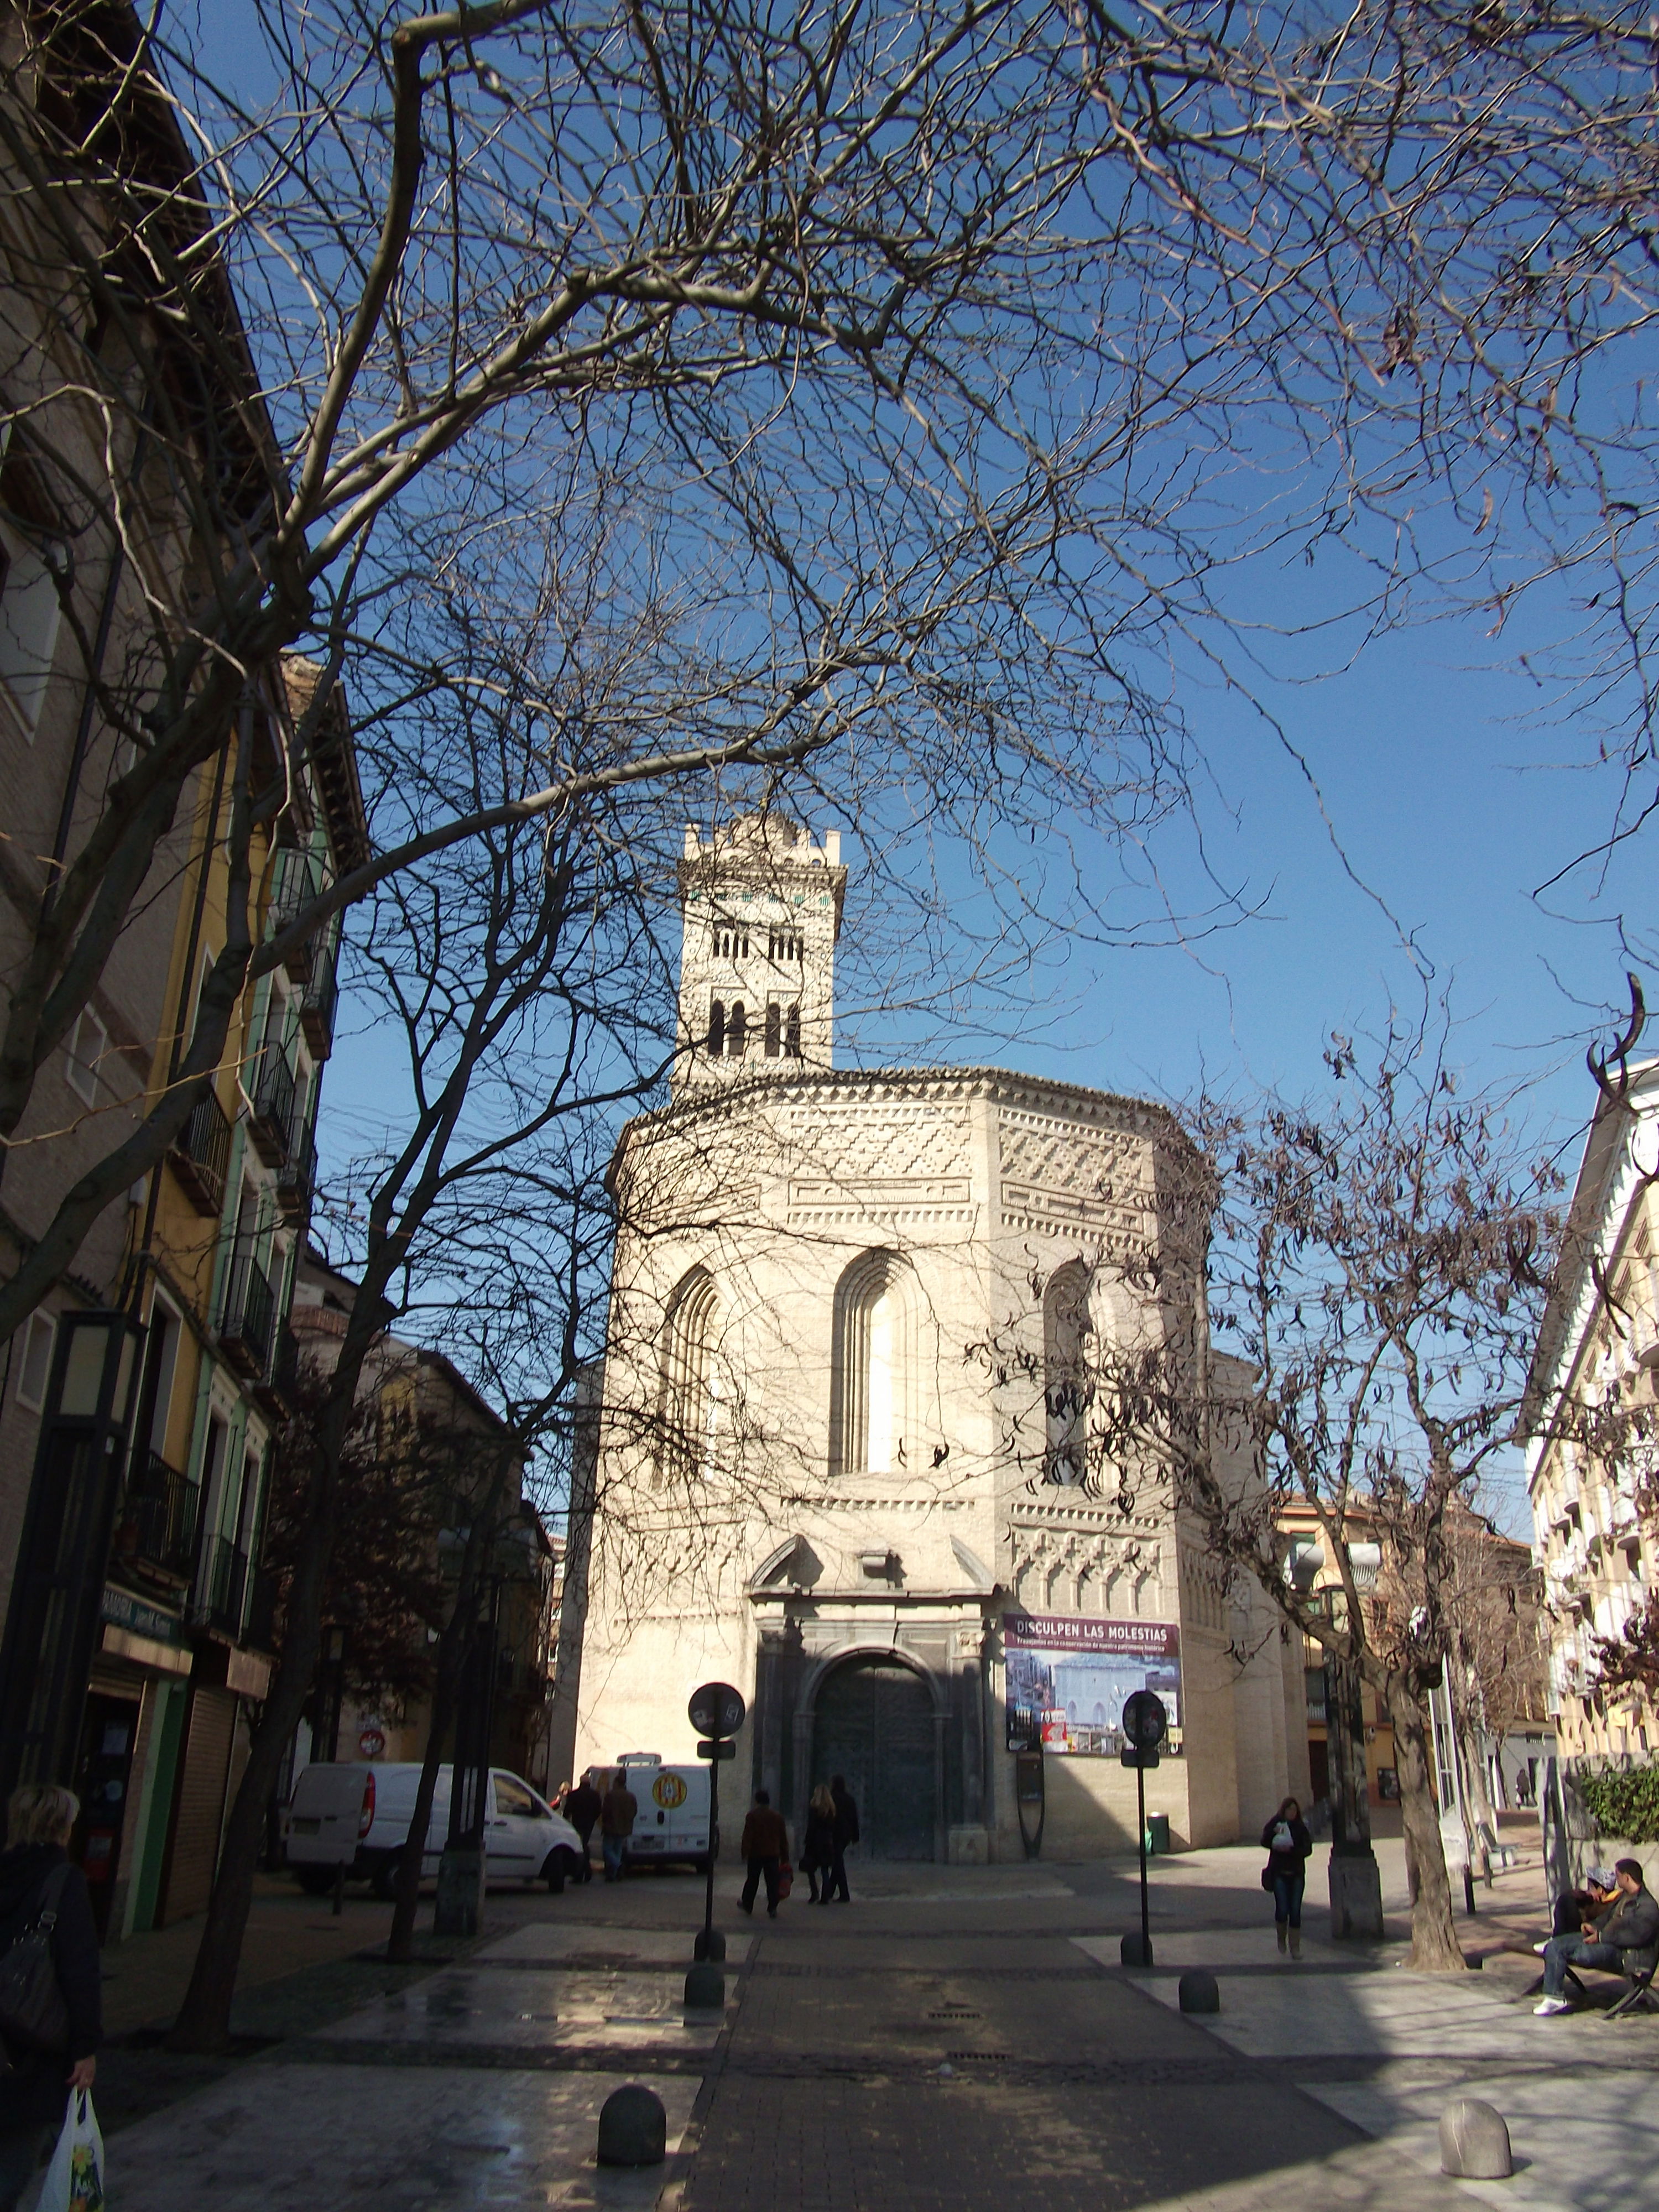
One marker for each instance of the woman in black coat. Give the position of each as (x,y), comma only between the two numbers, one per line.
(1289,1846)
(35,2087)
(817,1857)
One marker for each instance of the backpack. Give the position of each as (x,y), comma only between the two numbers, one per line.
(31,2007)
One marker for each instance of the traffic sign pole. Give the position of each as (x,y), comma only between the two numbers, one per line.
(717,1711)
(714,1830)
(1146,1914)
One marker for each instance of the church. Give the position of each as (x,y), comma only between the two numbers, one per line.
(841,1452)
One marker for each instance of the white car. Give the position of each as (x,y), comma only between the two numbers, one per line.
(358,1815)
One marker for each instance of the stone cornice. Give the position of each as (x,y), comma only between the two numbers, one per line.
(830,1087)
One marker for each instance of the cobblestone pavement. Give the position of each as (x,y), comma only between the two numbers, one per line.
(962,2037)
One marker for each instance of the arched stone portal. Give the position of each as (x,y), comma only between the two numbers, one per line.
(874,1721)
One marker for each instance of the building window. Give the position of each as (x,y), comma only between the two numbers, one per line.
(773,1029)
(1067,1385)
(716,1027)
(783,945)
(730,944)
(792,1033)
(34,1370)
(29,604)
(88,1041)
(874,1427)
(736,1031)
(688,1400)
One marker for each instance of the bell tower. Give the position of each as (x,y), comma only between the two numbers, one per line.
(760,913)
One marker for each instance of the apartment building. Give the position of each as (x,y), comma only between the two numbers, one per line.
(1594,1538)
(104,527)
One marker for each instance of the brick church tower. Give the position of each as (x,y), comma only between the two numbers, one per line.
(761,909)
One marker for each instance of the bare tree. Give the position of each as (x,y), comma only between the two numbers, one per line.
(903,306)
(1351,1331)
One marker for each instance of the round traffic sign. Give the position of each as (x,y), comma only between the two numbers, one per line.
(1144,1721)
(717,1710)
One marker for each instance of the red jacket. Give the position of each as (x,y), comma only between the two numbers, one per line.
(764,1836)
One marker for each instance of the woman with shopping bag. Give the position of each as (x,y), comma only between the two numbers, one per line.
(50,2012)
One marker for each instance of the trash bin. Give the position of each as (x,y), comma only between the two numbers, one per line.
(1158,1834)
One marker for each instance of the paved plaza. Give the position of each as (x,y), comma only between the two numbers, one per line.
(958,2037)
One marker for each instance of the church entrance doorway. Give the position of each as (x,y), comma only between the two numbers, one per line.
(874,1722)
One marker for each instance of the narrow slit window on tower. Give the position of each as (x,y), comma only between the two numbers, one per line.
(792,1033)
(736,1031)
(773,1029)
(717,1026)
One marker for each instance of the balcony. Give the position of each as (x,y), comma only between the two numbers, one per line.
(259,1629)
(223,1586)
(294,1177)
(201,1154)
(155,1532)
(273,1106)
(317,1008)
(247,1326)
(278,1390)
(299,878)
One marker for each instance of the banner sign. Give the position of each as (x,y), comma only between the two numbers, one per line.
(1069,1677)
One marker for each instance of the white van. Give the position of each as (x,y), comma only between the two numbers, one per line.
(672,1821)
(359,1814)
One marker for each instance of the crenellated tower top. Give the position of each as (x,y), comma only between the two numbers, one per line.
(760,910)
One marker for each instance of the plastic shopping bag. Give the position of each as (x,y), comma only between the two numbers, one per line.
(75,2180)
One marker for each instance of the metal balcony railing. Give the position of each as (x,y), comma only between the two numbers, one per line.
(317,1008)
(296,1176)
(272,1125)
(259,1626)
(247,1326)
(156,1527)
(201,1154)
(222,1585)
(300,877)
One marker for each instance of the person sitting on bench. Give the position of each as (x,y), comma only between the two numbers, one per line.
(1620,1939)
(1575,1906)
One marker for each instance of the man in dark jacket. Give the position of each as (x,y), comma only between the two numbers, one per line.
(35,2087)
(846,1834)
(1622,1938)
(765,1844)
(618,1810)
(581,1809)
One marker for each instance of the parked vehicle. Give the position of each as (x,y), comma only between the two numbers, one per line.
(359,1814)
(673,1822)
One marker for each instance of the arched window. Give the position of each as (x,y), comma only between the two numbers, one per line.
(717,1026)
(1067,1384)
(736,1031)
(773,1029)
(874,1421)
(792,1033)
(690,1399)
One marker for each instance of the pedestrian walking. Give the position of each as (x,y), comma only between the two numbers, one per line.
(1289,1846)
(818,1852)
(36,1877)
(765,1844)
(618,1811)
(846,1834)
(581,1809)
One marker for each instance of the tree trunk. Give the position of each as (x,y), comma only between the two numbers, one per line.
(400,1944)
(1435,1947)
(204,2022)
